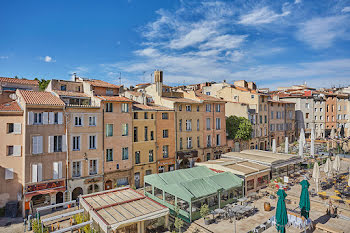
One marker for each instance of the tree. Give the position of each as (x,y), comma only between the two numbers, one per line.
(42,83)
(204,211)
(238,128)
(178,221)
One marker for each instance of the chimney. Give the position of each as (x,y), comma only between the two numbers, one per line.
(158,80)
(252,85)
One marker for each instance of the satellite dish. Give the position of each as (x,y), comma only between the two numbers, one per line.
(13,96)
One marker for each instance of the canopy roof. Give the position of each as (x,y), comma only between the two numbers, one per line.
(193,183)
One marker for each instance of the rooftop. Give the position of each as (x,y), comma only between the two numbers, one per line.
(181,100)
(100,83)
(116,207)
(114,98)
(70,93)
(208,97)
(137,106)
(10,107)
(19,81)
(40,98)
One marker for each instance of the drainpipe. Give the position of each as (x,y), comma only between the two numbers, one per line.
(67,149)
(103,146)
(175,116)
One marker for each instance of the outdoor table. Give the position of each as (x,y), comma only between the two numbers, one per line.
(242,199)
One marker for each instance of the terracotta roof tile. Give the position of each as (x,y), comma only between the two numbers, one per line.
(181,100)
(208,97)
(10,107)
(70,93)
(100,83)
(40,98)
(19,81)
(114,98)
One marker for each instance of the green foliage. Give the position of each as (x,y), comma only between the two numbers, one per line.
(204,211)
(178,223)
(36,226)
(42,83)
(80,218)
(238,128)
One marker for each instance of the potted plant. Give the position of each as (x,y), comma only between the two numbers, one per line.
(204,211)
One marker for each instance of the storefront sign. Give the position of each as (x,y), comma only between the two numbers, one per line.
(49,185)
(168,162)
(187,154)
(93,180)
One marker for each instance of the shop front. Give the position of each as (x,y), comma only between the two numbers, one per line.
(166,165)
(118,179)
(80,186)
(186,159)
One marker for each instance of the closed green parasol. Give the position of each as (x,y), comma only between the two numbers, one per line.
(304,202)
(281,211)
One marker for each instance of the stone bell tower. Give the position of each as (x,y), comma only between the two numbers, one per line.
(158,80)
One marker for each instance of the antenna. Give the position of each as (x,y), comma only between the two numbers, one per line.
(143,76)
(120,78)
(151,77)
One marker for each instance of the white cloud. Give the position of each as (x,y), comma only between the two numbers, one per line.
(4,57)
(261,16)
(320,33)
(346,9)
(147,52)
(225,42)
(47,59)
(297,1)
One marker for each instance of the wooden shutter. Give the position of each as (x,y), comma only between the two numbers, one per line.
(34,145)
(64,143)
(45,118)
(17,150)
(60,170)
(51,144)
(34,173)
(17,128)
(60,118)
(40,144)
(30,118)
(51,118)
(55,171)
(40,172)
(8,173)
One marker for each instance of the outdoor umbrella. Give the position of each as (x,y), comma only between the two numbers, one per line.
(332,133)
(281,211)
(302,136)
(301,148)
(316,174)
(286,146)
(273,145)
(312,147)
(328,167)
(336,163)
(319,132)
(304,202)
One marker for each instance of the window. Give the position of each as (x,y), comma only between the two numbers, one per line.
(109,107)
(109,130)
(92,142)
(180,107)
(146,115)
(165,151)
(93,167)
(150,155)
(198,108)
(136,115)
(188,108)
(57,143)
(135,134)
(152,135)
(137,157)
(109,155)
(218,123)
(265,119)
(63,87)
(76,143)
(208,140)
(125,129)
(125,153)
(37,144)
(10,128)
(188,125)
(148,172)
(92,121)
(252,96)
(307,105)
(271,114)
(57,170)
(217,108)
(37,174)
(76,169)
(109,92)
(152,116)
(321,109)
(208,107)
(125,107)
(56,117)
(260,118)
(165,133)
(207,93)
(208,123)
(78,121)
(218,139)
(165,116)
(146,133)
(189,142)
(180,125)
(9,150)
(315,109)
(208,156)
(321,118)
(197,124)
(198,142)
(307,115)
(181,146)
(38,118)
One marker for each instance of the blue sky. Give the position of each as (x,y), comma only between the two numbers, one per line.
(275,43)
